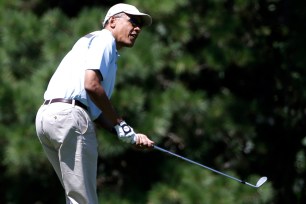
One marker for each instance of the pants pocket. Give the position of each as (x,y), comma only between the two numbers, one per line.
(82,121)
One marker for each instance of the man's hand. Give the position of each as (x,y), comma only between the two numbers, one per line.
(125,132)
(143,141)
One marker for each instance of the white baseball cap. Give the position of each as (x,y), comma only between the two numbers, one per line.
(128,9)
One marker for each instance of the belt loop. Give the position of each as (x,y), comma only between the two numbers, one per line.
(50,101)
(73,102)
(46,102)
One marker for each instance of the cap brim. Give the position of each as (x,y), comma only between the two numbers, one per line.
(147,19)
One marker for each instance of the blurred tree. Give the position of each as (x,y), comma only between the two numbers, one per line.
(220,82)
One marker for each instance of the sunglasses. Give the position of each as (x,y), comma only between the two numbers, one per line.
(135,22)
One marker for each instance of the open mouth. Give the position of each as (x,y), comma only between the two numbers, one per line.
(134,36)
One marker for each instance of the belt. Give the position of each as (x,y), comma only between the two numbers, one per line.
(63,100)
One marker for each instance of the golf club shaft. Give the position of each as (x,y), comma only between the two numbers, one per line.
(206,167)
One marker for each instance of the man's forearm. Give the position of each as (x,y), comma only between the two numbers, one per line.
(98,95)
(103,103)
(102,122)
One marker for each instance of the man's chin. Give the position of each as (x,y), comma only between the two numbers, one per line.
(123,45)
(129,45)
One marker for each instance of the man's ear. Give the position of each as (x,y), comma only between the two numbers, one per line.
(112,22)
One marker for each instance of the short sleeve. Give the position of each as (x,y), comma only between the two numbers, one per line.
(99,55)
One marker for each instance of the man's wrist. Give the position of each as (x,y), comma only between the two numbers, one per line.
(118,121)
(125,132)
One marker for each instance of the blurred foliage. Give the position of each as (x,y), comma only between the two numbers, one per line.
(188,185)
(220,82)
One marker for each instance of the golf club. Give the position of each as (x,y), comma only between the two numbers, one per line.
(261,181)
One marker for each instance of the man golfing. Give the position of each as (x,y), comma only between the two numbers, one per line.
(78,96)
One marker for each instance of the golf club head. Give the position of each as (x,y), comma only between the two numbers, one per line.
(261,181)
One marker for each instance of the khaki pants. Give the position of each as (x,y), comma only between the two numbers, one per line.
(68,137)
